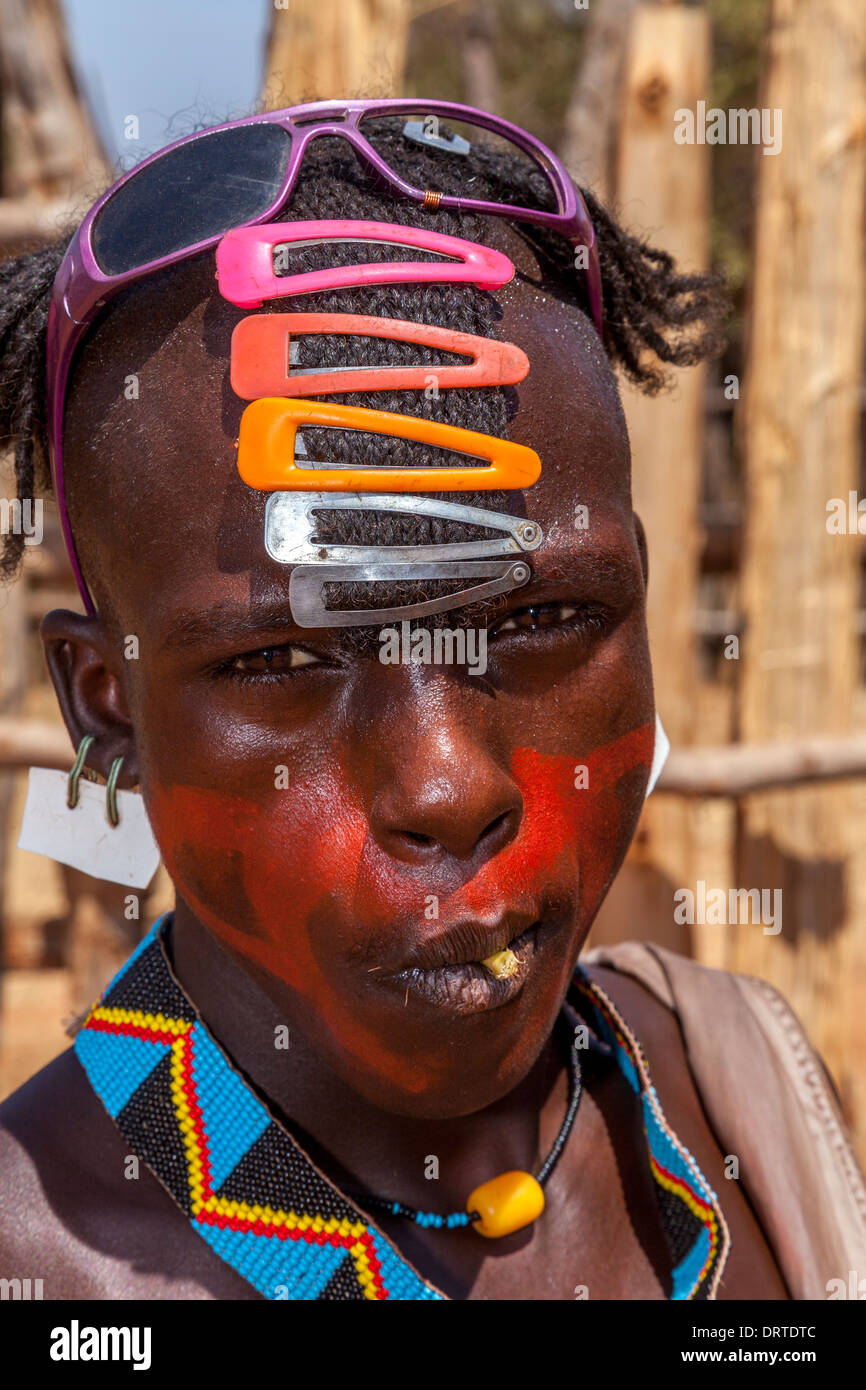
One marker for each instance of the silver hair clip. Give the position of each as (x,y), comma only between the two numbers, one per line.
(307,585)
(290,526)
(426,132)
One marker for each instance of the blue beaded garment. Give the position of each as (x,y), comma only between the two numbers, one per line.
(251,1192)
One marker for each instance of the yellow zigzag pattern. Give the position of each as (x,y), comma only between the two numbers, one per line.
(204,1202)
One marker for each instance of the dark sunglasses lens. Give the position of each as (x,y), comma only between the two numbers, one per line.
(460,159)
(197,191)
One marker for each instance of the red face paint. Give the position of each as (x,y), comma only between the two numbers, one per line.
(560,817)
(289,868)
(296,884)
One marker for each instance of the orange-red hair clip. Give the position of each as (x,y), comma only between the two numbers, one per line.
(266,452)
(264,360)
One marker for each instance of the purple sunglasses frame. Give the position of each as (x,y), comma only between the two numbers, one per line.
(81,288)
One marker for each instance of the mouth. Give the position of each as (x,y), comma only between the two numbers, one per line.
(473,986)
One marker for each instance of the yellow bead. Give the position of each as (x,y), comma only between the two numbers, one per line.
(506,1204)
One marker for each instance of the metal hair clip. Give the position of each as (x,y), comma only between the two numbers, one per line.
(290,525)
(266,452)
(426,132)
(307,584)
(265,352)
(247,277)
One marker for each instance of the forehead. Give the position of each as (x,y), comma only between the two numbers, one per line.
(152,427)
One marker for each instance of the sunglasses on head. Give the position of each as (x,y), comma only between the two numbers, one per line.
(183,200)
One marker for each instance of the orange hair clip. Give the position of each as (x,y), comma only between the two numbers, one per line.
(266,452)
(262,357)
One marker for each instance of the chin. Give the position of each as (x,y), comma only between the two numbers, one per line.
(472,1064)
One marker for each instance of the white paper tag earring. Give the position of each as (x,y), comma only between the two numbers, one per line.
(99,830)
(660,755)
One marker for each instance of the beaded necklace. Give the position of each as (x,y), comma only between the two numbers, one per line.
(252,1193)
(505,1204)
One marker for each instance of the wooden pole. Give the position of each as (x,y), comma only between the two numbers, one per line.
(33,742)
(13,676)
(593,109)
(51,166)
(479,57)
(50,147)
(24,220)
(730,770)
(662,191)
(739,769)
(318,49)
(799,583)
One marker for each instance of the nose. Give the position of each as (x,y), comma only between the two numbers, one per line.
(440,792)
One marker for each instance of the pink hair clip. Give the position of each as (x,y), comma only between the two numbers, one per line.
(246,274)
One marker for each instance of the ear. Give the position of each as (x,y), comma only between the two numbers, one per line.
(640,533)
(89,677)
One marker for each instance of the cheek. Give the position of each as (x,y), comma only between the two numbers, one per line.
(270,880)
(575,814)
(588,809)
(248,867)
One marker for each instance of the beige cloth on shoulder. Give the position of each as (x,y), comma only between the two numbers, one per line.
(768,1100)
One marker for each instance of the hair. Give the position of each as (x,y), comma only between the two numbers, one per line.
(653,318)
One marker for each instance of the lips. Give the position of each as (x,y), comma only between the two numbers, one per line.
(463,942)
(467,986)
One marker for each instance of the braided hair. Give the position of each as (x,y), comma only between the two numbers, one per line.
(653,316)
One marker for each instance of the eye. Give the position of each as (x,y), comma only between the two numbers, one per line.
(271,661)
(540,616)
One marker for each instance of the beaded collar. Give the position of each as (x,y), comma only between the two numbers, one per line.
(250,1190)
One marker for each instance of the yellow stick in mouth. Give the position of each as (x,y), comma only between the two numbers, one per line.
(502,964)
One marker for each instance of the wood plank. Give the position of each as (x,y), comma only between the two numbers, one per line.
(593,109)
(799,583)
(50,146)
(319,49)
(741,769)
(662,191)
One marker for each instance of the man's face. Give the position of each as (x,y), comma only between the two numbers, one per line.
(360,835)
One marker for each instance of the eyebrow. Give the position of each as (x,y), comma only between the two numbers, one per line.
(231,621)
(228,620)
